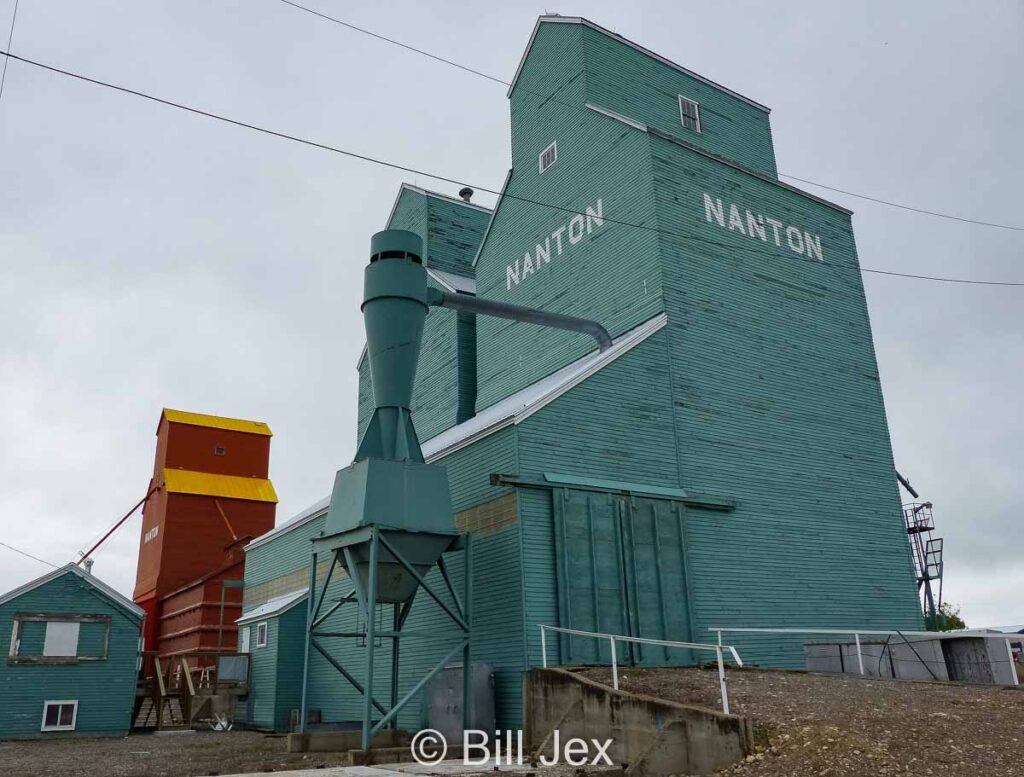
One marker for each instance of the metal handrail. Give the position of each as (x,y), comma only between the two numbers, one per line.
(612,638)
(876,632)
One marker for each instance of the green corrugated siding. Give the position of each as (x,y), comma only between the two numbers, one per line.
(453,235)
(105,689)
(263,676)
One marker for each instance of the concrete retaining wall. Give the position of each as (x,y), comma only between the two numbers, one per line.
(650,736)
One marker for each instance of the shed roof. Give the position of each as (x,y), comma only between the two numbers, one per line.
(184,481)
(119,599)
(512,410)
(216,422)
(556,19)
(273,607)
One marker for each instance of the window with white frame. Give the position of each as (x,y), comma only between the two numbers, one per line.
(548,157)
(59,715)
(689,113)
(261,634)
(243,639)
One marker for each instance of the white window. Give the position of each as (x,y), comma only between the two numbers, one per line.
(61,639)
(689,113)
(548,156)
(243,639)
(59,715)
(261,634)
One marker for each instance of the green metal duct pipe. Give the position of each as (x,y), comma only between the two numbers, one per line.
(469,303)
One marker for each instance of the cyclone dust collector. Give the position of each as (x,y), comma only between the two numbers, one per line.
(390,520)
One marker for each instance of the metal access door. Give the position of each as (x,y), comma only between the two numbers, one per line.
(621,570)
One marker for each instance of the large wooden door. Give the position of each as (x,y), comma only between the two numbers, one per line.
(621,570)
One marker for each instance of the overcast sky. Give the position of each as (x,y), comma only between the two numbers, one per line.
(151,258)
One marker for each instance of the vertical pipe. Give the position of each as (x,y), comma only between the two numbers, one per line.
(220,627)
(371,635)
(721,682)
(311,596)
(1013,666)
(396,627)
(860,656)
(543,648)
(615,666)
(467,651)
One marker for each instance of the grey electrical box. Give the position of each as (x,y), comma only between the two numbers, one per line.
(443,701)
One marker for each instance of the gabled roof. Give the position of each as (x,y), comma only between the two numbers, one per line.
(512,410)
(556,19)
(119,599)
(273,607)
(428,193)
(216,422)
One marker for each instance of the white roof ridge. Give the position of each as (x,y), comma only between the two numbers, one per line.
(275,606)
(511,410)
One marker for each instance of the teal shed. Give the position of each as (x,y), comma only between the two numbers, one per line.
(726,463)
(272,634)
(72,647)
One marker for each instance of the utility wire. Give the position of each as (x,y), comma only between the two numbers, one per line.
(904,207)
(554,99)
(446,179)
(10,37)
(28,555)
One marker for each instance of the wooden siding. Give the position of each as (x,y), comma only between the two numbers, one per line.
(778,404)
(497,604)
(105,689)
(633,84)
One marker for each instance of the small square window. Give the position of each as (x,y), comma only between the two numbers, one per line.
(689,113)
(59,715)
(219,451)
(548,157)
(261,634)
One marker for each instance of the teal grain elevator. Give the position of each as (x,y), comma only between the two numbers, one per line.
(723,461)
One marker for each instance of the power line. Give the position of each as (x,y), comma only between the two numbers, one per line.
(28,555)
(905,207)
(554,99)
(10,37)
(446,179)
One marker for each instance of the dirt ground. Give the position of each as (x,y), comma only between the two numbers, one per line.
(151,755)
(811,724)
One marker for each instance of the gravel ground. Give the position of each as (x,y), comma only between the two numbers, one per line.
(150,755)
(810,724)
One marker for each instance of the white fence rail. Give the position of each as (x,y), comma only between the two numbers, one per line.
(856,634)
(718,649)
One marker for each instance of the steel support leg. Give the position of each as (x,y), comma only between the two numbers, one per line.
(305,652)
(467,651)
(371,636)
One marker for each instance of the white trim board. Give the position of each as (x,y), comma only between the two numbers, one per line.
(429,193)
(272,608)
(555,19)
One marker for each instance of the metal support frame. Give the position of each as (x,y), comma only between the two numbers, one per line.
(365,597)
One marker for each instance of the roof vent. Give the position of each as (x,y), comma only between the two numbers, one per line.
(466,193)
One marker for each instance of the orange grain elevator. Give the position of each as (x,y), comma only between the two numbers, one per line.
(212,495)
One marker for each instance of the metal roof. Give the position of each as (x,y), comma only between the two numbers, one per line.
(452,282)
(514,409)
(556,19)
(519,406)
(183,481)
(216,422)
(273,607)
(118,599)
